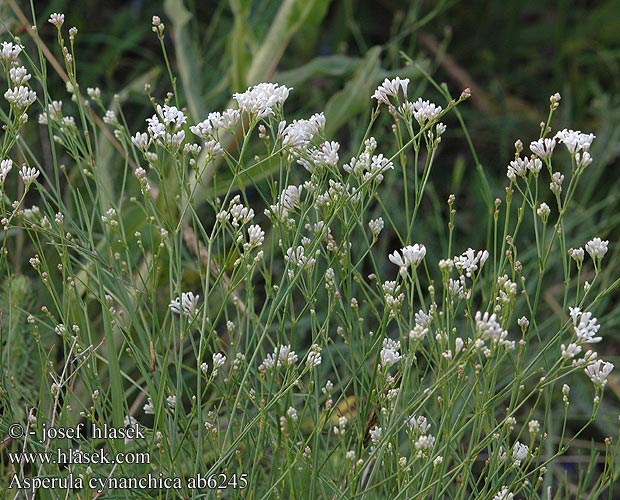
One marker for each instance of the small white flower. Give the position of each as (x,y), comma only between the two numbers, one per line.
(261,100)
(186,304)
(148,408)
(297,257)
(583,159)
(598,372)
(520,167)
(577,254)
(286,356)
(376,225)
(424,444)
(110,117)
(585,326)
(520,452)
(469,261)
(574,140)
(172,401)
(419,424)
(314,356)
(141,140)
(21,97)
(298,134)
(412,255)
(29,174)
(523,322)
(282,356)
(5,168)
(389,353)
(390,88)
(543,211)
(290,197)
(543,148)
(504,494)
(94,93)
(10,51)
(488,327)
(423,111)
(240,214)
(256,236)
(597,248)
(375,434)
(218,360)
(19,75)
(292,413)
(57,20)
(571,351)
(215,122)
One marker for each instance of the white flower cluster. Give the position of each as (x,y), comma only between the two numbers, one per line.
(326,155)
(423,441)
(5,167)
(282,356)
(10,51)
(186,304)
(376,226)
(219,360)
(574,140)
(390,88)
(237,214)
(504,494)
(598,372)
(488,328)
(261,100)
(389,353)
(297,135)
(577,144)
(409,256)
(297,257)
(393,297)
(421,327)
(368,166)
(56,19)
(209,129)
(520,452)
(585,326)
(165,127)
(256,236)
(469,261)
(289,200)
(507,289)
(336,194)
(29,174)
(20,96)
(522,166)
(423,112)
(597,248)
(54,110)
(314,356)
(543,148)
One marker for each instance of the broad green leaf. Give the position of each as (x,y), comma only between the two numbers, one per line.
(332,66)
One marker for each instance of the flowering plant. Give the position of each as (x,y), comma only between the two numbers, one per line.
(292,334)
